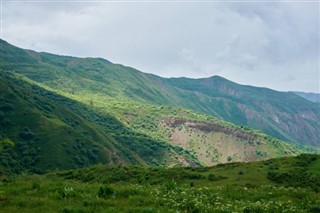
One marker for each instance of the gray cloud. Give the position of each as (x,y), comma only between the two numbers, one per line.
(264,44)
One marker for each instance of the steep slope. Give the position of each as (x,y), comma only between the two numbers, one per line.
(42,131)
(282,115)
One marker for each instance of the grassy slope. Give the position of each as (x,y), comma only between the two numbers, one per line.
(151,120)
(282,115)
(46,135)
(211,140)
(50,131)
(236,187)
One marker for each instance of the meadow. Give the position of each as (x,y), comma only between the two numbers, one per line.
(289,184)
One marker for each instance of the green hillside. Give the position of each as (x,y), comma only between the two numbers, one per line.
(285,116)
(42,131)
(289,184)
(48,131)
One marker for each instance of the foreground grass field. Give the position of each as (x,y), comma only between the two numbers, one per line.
(280,185)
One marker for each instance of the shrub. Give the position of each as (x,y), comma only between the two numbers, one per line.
(35,186)
(252,209)
(170,185)
(105,192)
(314,208)
(213,177)
(6,107)
(66,193)
(27,134)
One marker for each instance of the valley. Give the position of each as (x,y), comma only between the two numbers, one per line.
(87,135)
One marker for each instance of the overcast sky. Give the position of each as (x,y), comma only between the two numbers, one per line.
(273,45)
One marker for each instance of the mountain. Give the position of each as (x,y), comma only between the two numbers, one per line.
(314,97)
(62,112)
(283,115)
(42,131)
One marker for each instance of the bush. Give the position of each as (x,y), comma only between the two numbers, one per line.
(105,192)
(252,209)
(27,134)
(170,185)
(35,186)
(66,193)
(6,107)
(314,208)
(213,177)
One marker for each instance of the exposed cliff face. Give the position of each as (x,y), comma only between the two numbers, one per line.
(210,127)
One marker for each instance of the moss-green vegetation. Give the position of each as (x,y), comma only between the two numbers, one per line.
(236,187)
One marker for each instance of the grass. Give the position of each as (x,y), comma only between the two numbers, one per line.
(236,187)
(47,195)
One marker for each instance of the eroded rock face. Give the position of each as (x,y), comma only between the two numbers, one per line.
(214,143)
(210,127)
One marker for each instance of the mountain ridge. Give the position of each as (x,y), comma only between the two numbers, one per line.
(282,115)
(311,96)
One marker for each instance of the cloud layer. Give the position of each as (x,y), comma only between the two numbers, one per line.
(274,45)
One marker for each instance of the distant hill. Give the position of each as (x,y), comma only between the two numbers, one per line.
(314,97)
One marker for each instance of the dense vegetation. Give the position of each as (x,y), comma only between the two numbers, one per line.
(235,187)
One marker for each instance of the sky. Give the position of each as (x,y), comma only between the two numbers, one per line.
(267,44)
